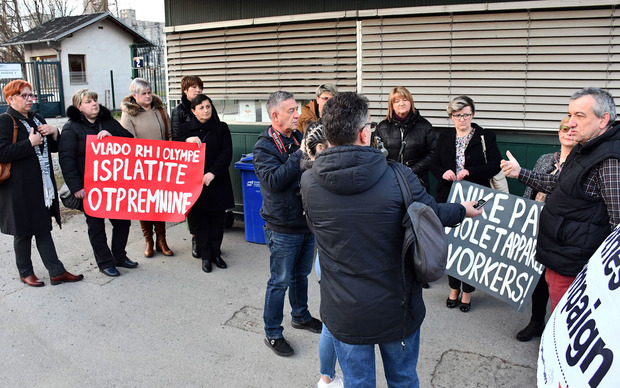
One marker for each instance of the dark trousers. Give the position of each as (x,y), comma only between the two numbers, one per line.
(540,297)
(455,284)
(47,251)
(208,227)
(99,241)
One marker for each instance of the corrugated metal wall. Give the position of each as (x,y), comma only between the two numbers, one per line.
(204,11)
(519,66)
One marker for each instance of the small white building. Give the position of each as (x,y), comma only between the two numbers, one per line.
(94,51)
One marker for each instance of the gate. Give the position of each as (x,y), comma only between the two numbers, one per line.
(149,64)
(46,81)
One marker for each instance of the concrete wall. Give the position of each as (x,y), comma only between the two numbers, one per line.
(106,47)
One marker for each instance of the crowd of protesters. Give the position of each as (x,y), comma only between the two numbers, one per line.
(319,173)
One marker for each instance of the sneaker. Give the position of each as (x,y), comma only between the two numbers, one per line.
(313,325)
(336,383)
(280,346)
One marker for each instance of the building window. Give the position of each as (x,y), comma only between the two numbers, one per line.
(77,69)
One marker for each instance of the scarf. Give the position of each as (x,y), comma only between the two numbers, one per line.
(42,155)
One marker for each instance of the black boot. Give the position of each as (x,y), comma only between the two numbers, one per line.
(219,263)
(195,249)
(533,329)
(206,266)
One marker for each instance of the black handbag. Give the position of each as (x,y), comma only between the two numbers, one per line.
(69,200)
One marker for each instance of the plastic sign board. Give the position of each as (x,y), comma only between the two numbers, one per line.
(581,338)
(137,179)
(495,252)
(10,70)
(138,62)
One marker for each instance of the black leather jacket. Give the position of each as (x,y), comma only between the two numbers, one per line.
(411,142)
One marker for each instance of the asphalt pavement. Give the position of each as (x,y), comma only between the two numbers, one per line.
(167,323)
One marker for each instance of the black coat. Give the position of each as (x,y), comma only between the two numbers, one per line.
(72,143)
(279,175)
(479,171)
(216,135)
(22,205)
(180,114)
(420,143)
(355,205)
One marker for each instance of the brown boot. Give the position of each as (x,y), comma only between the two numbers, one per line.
(147,230)
(161,245)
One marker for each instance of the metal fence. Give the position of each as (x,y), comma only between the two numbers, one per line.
(46,81)
(152,67)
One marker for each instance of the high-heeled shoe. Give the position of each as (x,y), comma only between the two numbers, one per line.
(465,307)
(452,303)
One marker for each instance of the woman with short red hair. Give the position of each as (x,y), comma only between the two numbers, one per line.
(28,199)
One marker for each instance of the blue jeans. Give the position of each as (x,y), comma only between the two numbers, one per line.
(290,264)
(327,354)
(358,363)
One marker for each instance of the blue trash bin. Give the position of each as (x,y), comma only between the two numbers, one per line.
(252,201)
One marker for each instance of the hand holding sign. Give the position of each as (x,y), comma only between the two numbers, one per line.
(139,179)
(510,167)
(449,175)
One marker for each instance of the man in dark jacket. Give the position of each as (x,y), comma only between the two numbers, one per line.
(290,242)
(583,206)
(355,205)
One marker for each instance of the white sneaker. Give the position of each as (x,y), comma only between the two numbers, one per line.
(336,383)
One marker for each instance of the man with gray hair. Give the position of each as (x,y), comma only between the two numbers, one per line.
(368,295)
(583,206)
(312,110)
(277,155)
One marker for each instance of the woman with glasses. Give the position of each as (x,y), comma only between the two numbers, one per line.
(312,111)
(547,164)
(408,137)
(28,198)
(460,156)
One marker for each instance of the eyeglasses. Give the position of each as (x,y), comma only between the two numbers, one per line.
(564,128)
(26,96)
(464,116)
(372,125)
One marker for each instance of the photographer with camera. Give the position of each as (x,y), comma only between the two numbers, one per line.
(277,155)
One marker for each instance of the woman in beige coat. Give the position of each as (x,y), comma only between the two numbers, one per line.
(145,117)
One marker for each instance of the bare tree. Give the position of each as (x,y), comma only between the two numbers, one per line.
(21,15)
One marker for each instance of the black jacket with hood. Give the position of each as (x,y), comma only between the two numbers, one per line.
(72,143)
(354,203)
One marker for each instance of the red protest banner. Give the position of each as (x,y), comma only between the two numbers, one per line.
(147,180)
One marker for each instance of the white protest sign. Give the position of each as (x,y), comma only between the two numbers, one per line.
(495,252)
(578,345)
(10,70)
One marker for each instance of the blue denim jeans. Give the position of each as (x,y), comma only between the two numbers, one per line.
(358,363)
(290,264)
(327,353)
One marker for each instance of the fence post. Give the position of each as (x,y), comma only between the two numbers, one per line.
(112,88)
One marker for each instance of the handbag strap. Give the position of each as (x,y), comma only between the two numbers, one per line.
(14,129)
(163,117)
(405,190)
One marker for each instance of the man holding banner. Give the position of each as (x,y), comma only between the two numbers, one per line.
(584,206)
